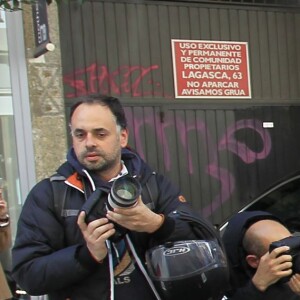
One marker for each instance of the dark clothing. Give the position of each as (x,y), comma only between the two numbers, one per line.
(242,287)
(274,292)
(50,255)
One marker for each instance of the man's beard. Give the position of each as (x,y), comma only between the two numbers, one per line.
(104,163)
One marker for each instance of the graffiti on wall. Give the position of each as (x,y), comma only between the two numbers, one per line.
(134,80)
(227,142)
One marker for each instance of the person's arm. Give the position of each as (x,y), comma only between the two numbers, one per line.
(5,237)
(247,292)
(5,233)
(170,200)
(273,292)
(161,224)
(272,267)
(41,262)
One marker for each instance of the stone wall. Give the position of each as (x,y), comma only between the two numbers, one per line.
(46,97)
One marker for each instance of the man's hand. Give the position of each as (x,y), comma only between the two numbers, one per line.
(138,218)
(272,266)
(95,234)
(3,206)
(294,283)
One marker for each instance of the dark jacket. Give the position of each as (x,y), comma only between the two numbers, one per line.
(50,255)
(242,287)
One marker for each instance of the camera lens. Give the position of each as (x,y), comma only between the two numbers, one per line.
(124,192)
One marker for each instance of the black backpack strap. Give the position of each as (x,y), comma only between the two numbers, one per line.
(150,191)
(59,189)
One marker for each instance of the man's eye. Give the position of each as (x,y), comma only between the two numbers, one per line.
(79,134)
(101,134)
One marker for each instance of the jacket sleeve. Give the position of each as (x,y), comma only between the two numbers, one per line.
(274,292)
(170,200)
(5,238)
(247,292)
(41,263)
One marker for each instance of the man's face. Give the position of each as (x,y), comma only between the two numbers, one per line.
(97,140)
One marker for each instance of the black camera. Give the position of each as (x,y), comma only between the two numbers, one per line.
(294,243)
(123,194)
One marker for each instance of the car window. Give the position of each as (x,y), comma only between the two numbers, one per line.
(283,202)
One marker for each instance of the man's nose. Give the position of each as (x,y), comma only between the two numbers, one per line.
(90,140)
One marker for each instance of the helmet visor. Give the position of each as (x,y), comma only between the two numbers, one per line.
(179,260)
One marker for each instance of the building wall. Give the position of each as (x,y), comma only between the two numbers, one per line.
(124,47)
(217,150)
(46,97)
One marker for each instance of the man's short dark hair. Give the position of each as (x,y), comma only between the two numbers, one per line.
(112,103)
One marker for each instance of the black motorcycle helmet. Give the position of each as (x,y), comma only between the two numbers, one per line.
(190,269)
(193,270)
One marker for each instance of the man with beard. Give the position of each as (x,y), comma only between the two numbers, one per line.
(68,257)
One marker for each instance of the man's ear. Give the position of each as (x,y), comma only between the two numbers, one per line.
(252,260)
(124,137)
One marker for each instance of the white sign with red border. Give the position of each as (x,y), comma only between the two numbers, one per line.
(211,69)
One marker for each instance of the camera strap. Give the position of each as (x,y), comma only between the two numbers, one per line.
(111,269)
(138,261)
(142,268)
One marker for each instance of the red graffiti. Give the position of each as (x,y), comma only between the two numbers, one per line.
(134,80)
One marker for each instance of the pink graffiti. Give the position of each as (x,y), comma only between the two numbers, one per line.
(228,142)
(131,80)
